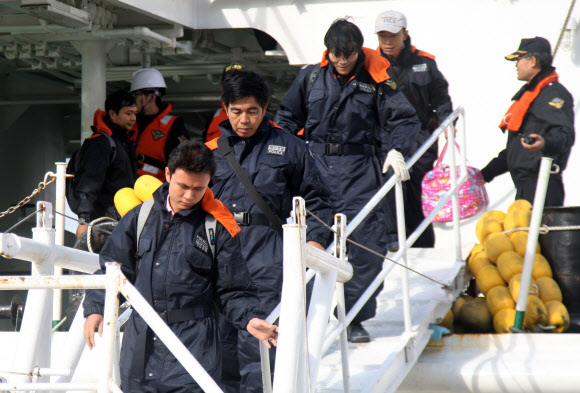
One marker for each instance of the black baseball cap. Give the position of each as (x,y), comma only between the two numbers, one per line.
(530,45)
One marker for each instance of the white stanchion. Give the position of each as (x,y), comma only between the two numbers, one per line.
(36,329)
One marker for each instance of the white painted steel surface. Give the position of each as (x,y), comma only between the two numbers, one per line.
(381,365)
(35,331)
(492,363)
(13,246)
(59,203)
(289,354)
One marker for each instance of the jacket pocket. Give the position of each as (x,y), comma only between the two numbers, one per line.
(201,262)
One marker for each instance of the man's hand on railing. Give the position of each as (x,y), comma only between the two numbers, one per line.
(92,323)
(397,161)
(316,245)
(263,331)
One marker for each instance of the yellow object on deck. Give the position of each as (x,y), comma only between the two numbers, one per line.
(125,200)
(145,186)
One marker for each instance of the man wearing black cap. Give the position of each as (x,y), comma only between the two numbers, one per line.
(540,121)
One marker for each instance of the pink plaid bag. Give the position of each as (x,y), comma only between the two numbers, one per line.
(472,194)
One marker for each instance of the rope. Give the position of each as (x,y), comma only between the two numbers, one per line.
(41,186)
(90,230)
(544,229)
(444,286)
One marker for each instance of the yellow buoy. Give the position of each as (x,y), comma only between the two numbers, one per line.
(497,214)
(514,286)
(478,261)
(499,298)
(541,267)
(517,219)
(145,186)
(520,204)
(488,277)
(504,319)
(508,264)
(485,226)
(125,200)
(549,289)
(496,244)
(558,316)
(520,240)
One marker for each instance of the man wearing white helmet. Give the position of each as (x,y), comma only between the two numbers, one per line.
(158,131)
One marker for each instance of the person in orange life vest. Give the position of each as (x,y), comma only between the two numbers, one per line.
(158,132)
(540,122)
(213,130)
(182,277)
(416,74)
(350,109)
(99,178)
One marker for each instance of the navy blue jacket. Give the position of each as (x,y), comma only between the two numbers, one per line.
(176,270)
(99,178)
(367,111)
(418,77)
(550,115)
(280,168)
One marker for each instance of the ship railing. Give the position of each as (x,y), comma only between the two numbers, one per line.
(339,328)
(32,369)
(302,334)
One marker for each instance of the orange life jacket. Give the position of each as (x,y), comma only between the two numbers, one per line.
(221,213)
(513,118)
(213,131)
(151,145)
(99,124)
(375,64)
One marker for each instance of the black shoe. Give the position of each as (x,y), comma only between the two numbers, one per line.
(393,246)
(355,333)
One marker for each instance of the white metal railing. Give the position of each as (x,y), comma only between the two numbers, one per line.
(303,341)
(301,338)
(405,243)
(33,357)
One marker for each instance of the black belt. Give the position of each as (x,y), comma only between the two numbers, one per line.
(142,158)
(245,218)
(197,312)
(341,149)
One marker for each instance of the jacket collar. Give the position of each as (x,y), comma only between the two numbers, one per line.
(374,64)
(531,85)
(102,122)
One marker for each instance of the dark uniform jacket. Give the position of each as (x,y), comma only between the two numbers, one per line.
(177,271)
(280,167)
(427,90)
(99,178)
(359,116)
(550,115)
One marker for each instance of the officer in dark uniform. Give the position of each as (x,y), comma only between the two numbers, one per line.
(180,278)
(347,104)
(540,122)
(279,167)
(416,74)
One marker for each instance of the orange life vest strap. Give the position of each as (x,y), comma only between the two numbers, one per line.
(514,116)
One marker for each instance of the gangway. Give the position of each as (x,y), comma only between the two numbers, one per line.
(420,286)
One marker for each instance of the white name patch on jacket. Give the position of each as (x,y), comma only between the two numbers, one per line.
(366,87)
(277,150)
(201,243)
(420,67)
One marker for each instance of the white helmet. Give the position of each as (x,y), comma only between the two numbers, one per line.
(147,78)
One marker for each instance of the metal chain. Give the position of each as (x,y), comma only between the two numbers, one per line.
(444,286)
(41,186)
